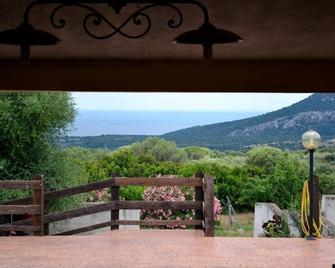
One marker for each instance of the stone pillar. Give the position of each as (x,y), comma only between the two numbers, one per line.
(263,213)
(328,207)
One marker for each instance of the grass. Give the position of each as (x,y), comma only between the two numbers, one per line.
(243,225)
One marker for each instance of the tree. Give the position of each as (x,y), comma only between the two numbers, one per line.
(196,153)
(265,157)
(30,124)
(160,149)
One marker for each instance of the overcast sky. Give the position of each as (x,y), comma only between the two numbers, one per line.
(186,101)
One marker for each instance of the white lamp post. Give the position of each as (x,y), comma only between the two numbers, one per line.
(311,141)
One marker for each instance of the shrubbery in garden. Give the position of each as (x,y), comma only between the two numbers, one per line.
(172,193)
(263,174)
(32,123)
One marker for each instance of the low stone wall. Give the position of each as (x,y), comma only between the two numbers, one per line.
(83,221)
(265,212)
(328,207)
(328,212)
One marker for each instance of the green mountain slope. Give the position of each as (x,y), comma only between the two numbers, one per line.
(281,128)
(103,141)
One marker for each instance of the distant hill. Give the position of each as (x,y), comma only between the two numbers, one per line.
(103,141)
(282,128)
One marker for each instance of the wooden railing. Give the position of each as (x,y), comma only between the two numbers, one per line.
(203,204)
(36,209)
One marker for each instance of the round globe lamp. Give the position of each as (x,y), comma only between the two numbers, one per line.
(311,140)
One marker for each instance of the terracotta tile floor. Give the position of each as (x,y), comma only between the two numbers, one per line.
(163,248)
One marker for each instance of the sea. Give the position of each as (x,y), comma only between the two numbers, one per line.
(94,123)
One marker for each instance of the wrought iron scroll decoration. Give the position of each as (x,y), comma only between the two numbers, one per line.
(95,18)
(138,18)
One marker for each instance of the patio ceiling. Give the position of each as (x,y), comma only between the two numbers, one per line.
(285,29)
(283,40)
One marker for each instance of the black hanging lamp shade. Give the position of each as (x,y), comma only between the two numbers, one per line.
(26,36)
(207,35)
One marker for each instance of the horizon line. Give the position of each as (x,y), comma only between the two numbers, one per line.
(168,110)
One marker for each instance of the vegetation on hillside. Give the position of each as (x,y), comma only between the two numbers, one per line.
(263,174)
(33,122)
(111,142)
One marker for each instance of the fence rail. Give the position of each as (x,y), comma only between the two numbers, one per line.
(162,181)
(203,204)
(36,209)
(141,222)
(115,181)
(21,185)
(20,209)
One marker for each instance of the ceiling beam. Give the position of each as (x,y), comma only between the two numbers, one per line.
(170,76)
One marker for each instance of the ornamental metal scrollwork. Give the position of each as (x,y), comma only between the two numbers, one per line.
(95,18)
(206,35)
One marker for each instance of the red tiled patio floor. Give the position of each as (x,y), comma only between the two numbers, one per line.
(163,248)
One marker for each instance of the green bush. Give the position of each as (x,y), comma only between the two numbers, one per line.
(197,153)
(131,192)
(160,149)
(263,174)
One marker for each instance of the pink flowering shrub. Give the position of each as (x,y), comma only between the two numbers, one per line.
(172,193)
(166,193)
(217,208)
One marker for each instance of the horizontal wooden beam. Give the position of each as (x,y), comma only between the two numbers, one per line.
(20,209)
(88,228)
(170,75)
(160,222)
(127,222)
(66,192)
(118,181)
(78,189)
(19,201)
(21,228)
(164,181)
(156,205)
(23,222)
(21,185)
(123,181)
(79,212)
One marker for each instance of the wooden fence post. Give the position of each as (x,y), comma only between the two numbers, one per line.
(115,197)
(46,212)
(209,205)
(199,196)
(38,199)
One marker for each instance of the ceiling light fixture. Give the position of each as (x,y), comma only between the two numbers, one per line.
(206,35)
(26,36)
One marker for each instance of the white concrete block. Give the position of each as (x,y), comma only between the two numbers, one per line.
(130,214)
(263,213)
(328,207)
(328,211)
